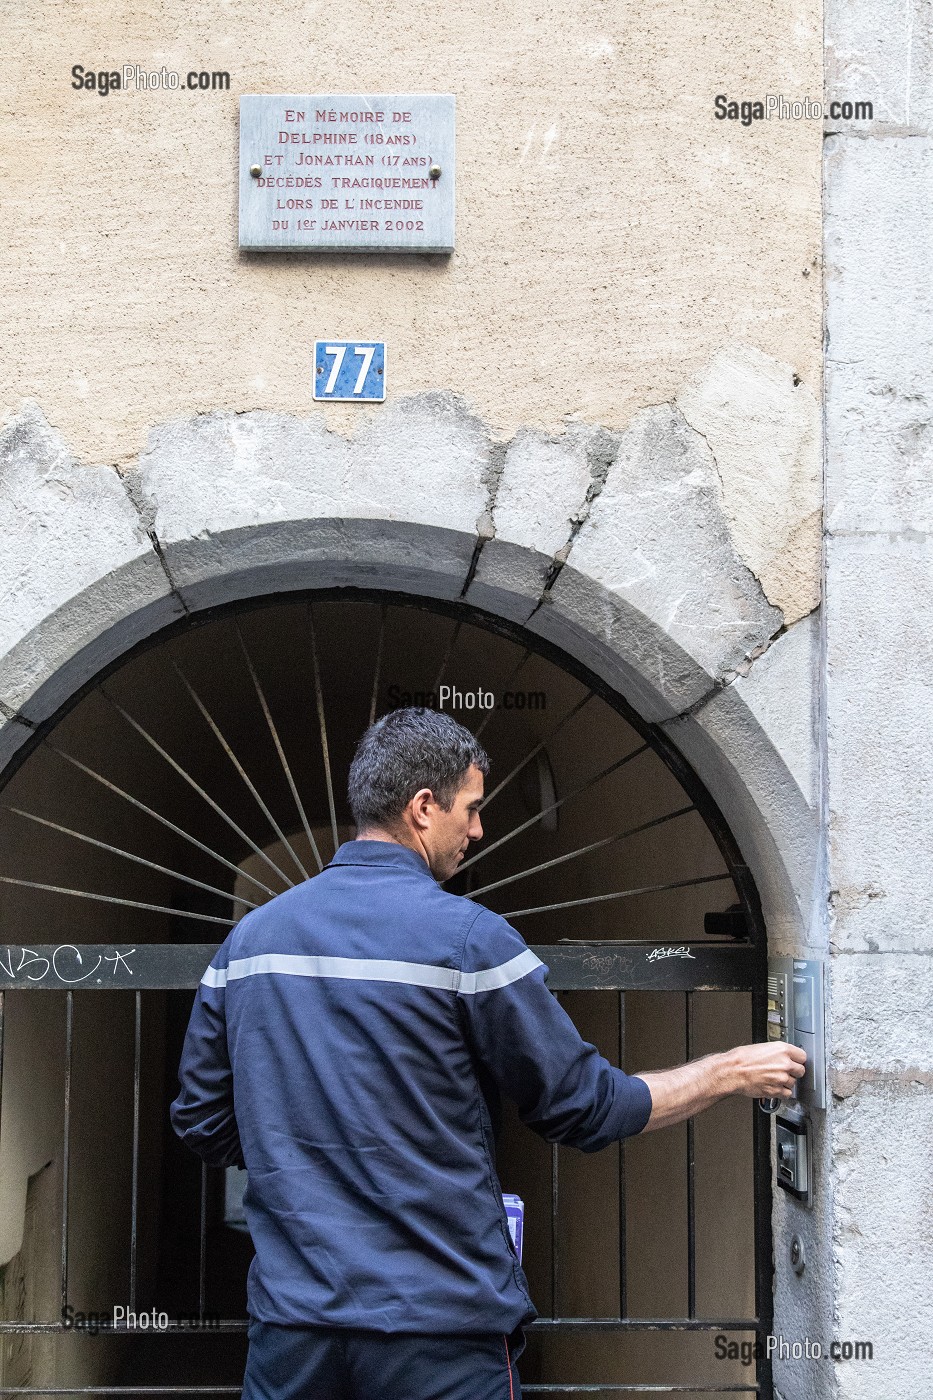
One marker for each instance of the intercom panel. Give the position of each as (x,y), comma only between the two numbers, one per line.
(795,1014)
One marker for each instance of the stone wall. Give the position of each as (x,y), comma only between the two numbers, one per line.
(879,589)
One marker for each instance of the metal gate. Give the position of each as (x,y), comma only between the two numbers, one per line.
(144,989)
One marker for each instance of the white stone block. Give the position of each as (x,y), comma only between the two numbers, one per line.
(244,501)
(878,234)
(541,490)
(880,1012)
(879,454)
(883,1240)
(781,691)
(657,540)
(881,51)
(764,432)
(80,581)
(540,498)
(880,717)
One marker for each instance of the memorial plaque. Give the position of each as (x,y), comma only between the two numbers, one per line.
(343,173)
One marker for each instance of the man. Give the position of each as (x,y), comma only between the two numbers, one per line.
(361,1025)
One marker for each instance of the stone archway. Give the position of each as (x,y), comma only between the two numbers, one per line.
(617,551)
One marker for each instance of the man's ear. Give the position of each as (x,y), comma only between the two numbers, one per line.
(422,800)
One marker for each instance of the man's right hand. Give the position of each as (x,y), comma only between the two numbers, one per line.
(765,1071)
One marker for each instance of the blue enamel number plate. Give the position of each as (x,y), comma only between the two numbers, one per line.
(352,371)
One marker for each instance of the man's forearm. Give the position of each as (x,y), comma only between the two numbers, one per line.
(679,1093)
(769,1069)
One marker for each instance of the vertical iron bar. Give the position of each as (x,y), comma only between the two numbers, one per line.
(202,1256)
(2,1008)
(623,1219)
(555,1242)
(376,672)
(320,715)
(555,1221)
(691,1179)
(764,1242)
(66,1149)
(134,1210)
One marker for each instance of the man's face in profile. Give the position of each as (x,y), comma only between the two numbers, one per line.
(450,833)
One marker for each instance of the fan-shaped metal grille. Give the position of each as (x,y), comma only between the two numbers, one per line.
(219,758)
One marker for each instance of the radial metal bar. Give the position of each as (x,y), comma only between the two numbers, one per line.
(293,787)
(508,685)
(251,786)
(617,894)
(112,899)
(128,855)
(157,816)
(134,1209)
(623,1211)
(378,667)
(691,1172)
(553,806)
(183,773)
(325,750)
(450,646)
(66,1144)
(581,851)
(202,1246)
(551,734)
(555,1226)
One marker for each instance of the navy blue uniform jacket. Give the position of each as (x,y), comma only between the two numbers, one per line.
(347,1044)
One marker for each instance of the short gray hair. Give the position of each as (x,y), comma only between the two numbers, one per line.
(405,751)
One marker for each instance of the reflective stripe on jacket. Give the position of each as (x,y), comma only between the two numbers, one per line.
(347,1045)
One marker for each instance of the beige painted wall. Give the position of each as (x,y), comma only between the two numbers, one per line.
(613,237)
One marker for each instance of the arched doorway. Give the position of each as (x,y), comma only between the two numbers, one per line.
(205,772)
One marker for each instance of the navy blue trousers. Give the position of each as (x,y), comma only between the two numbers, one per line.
(340,1363)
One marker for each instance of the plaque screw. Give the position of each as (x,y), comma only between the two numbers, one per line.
(255,170)
(435,172)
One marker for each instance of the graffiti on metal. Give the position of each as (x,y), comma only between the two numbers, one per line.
(63,966)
